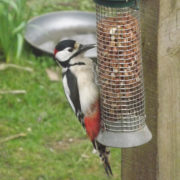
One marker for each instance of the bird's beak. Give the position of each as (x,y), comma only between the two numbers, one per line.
(83,48)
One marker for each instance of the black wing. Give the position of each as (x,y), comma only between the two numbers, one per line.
(72,93)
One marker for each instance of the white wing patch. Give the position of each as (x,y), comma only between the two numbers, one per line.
(67,92)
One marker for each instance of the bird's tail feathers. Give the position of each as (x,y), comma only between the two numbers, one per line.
(104,155)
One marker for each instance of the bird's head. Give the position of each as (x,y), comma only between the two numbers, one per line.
(67,49)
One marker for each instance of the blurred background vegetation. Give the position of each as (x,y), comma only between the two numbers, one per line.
(40,137)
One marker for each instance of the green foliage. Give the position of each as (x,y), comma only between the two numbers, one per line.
(56,147)
(44,6)
(13,16)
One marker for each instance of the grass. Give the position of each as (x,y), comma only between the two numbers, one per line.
(56,146)
(44,6)
(14,15)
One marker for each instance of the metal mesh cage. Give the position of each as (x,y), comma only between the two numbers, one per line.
(120,72)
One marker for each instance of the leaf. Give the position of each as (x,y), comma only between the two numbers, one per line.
(19,45)
(10,18)
(12,4)
(19,28)
(13,20)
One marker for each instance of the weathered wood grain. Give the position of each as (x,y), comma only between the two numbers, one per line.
(159,159)
(134,160)
(169,90)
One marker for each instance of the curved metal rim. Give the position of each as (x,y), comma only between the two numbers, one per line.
(59,12)
(46,14)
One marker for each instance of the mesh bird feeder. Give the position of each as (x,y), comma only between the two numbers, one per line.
(120,74)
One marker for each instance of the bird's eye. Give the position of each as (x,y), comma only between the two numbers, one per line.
(70,49)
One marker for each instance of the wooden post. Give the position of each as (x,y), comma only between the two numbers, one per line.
(160,158)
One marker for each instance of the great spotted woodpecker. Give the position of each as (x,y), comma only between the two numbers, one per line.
(81,90)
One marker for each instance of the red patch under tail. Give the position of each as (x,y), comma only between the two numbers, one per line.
(92,122)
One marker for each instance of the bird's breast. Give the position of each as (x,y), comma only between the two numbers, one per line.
(88,90)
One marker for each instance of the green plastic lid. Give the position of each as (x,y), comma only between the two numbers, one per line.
(116,3)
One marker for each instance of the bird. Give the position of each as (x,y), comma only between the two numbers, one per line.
(81,90)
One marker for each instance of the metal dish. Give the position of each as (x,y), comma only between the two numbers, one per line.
(45,31)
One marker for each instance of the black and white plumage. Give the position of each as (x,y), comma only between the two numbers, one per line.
(78,75)
(79,82)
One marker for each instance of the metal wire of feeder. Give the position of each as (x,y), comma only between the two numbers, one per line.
(120,74)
